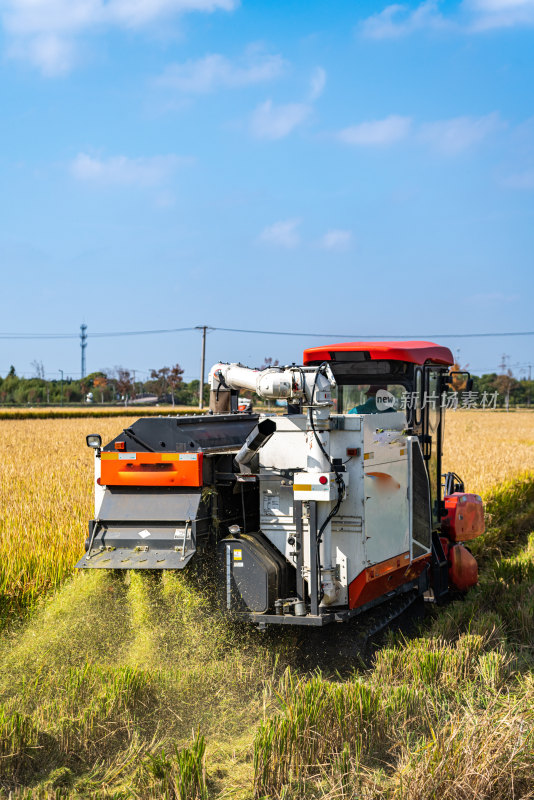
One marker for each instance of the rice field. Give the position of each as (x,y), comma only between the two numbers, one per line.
(135,687)
(488,448)
(45,500)
(92,411)
(46,491)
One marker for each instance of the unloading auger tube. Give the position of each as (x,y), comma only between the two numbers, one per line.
(316,514)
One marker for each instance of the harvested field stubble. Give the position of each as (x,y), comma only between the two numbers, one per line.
(134,686)
(111,677)
(401,740)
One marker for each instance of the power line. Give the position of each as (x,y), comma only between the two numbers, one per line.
(384,336)
(89,335)
(140,333)
(39,335)
(351,336)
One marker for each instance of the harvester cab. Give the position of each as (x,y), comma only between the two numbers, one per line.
(315,515)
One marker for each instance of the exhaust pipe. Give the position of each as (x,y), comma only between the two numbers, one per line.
(256,439)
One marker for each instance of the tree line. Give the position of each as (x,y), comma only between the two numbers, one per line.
(166,385)
(119,385)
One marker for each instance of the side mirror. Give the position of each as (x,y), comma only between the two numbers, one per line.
(460,385)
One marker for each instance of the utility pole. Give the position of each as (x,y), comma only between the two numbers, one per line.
(506,383)
(83,345)
(61,395)
(202,328)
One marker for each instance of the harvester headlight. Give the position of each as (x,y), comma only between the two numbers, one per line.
(94,440)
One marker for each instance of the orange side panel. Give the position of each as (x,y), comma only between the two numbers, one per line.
(463,569)
(375,581)
(151,469)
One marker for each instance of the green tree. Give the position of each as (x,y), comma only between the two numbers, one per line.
(159,379)
(175,379)
(124,383)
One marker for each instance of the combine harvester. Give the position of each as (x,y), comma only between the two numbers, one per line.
(317,515)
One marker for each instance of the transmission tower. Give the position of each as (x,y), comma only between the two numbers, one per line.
(83,345)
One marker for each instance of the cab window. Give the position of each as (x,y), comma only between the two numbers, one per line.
(375,398)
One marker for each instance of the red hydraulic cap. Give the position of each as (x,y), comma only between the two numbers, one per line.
(465,517)
(412,352)
(463,568)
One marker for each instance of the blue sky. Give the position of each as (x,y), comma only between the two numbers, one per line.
(347,168)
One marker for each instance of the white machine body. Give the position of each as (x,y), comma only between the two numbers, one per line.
(375,521)
(374,525)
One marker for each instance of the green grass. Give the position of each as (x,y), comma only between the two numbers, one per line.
(136,687)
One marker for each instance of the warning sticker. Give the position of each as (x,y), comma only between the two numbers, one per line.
(238,555)
(271,502)
(188,457)
(127,456)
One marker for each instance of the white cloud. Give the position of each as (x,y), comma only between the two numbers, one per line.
(336,240)
(495,297)
(317,83)
(471,16)
(452,136)
(47,32)
(270,121)
(377,132)
(216,71)
(400,20)
(488,14)
(521,180)
(124,171)
(133,13)
(284,233)
(449,136)
(53,55)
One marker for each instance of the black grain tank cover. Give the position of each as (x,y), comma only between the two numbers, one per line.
(199,433)
(254,574)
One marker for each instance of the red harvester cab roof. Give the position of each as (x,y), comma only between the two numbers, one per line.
(412,352)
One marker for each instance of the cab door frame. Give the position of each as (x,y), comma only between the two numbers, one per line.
(432,428)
